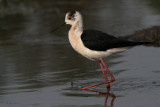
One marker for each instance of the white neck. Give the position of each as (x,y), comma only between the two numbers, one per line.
(78,28)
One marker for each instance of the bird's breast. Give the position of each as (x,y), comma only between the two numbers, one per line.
(75,41)
(78,46)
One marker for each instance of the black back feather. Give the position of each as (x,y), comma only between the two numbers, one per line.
(99,41)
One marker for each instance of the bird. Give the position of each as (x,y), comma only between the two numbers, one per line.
(95,45)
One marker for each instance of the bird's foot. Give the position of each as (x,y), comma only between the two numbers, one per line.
(108,86)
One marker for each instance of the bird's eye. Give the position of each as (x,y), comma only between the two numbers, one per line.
(69,18)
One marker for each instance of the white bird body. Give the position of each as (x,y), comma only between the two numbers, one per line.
(75,40)
(94,44)
(78,46)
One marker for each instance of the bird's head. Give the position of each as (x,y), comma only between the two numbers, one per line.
(72,17)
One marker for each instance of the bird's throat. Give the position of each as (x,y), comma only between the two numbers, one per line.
(77,28)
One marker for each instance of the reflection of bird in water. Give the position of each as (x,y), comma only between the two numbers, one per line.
(107,94)
(94,44)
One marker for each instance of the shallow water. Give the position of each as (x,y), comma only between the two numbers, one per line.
(40,69)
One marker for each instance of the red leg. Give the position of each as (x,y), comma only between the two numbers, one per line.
(93,86)
(107,82)
(112,78)
(108,85)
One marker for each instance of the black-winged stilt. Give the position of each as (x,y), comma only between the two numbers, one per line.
(94,44)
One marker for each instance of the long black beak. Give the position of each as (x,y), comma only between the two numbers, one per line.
(58,27)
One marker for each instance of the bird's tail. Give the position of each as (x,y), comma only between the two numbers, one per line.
(144,43)
(134,43)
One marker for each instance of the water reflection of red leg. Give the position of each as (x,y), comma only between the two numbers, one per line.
(107,94)
(102,64)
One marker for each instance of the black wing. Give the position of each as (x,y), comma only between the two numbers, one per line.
(99,41)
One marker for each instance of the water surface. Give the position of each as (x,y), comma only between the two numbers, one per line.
(40,69)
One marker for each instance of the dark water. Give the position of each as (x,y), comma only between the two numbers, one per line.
(40,69)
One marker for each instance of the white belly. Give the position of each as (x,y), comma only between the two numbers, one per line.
(78,46)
